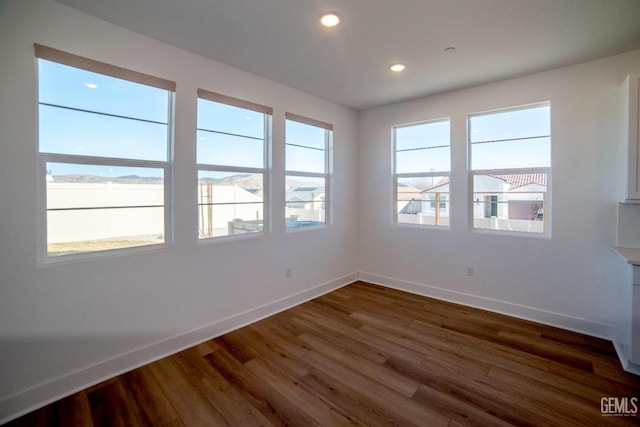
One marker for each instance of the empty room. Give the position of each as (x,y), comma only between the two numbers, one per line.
(337,212)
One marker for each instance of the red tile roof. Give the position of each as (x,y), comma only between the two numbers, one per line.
(521,179)
(516,180)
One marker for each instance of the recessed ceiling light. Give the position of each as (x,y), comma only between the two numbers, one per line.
(91,85)
(330,19)
(396,68)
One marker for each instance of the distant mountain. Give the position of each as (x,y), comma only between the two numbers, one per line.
(96,179)
(247,181)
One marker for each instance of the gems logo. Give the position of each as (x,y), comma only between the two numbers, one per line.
(619,406)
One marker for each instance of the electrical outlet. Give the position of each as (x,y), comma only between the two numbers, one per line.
(287,272)
(469,270)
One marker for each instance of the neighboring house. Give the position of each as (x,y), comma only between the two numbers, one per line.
(305,204)
(437,197)
(512,202)
(516,197)
(409,199)
(418,205)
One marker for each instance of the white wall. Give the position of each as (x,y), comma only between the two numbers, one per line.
(573,279)
(63,326)
(66,325)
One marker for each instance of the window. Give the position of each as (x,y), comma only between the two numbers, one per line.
(510,166)
(422,164)
(307,171)
(104,144)
(232,157)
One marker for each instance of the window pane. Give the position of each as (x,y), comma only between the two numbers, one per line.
(226,220)
(64,131)
(228,150)
(423,200)
(511,139)
(510,124)
(94,208)
(218,117)
(423,160)
(423,147)
(521,153)
(89,230)
(305,135)
(72,87)
(302,159)
(229,203)
(514,202)
(432,134)
(73,186)
(305,202)
(231,187)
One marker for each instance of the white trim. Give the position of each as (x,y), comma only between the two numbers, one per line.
(28,400)
(35,397)
(550,318)
(624,351)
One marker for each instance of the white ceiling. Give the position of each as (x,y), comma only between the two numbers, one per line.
(283,41)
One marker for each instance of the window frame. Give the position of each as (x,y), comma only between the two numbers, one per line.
(494,172)
(435,174)
(327,175)
(265,171)
(86,64)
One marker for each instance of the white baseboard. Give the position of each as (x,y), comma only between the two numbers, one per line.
(624,352)
(559,320)
(43,394)
(28,400)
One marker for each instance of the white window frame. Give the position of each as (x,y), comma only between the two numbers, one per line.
(79,62)
(547,205)
(435,174)
(265,171)
(327,175)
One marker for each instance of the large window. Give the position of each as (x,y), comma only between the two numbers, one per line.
(104,144)
(307,171)
(422,164)
(232,165)
(510,167)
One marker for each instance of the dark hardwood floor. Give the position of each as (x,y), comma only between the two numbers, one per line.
(367,355)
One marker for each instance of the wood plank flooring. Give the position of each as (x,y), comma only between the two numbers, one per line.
(371,356)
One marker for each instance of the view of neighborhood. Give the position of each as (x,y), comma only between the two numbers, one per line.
(128,211)
(513,202)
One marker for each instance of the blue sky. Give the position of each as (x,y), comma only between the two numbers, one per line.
(226,135)
(71,131)
(507,139)
(233,136)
